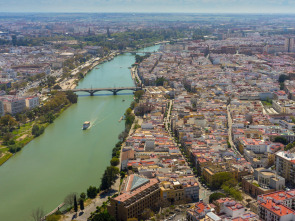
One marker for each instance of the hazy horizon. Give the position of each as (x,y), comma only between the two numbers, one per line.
(150,6)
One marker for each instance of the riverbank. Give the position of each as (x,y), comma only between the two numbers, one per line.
(71,83)
(103,196)
(23,136)
(66,155)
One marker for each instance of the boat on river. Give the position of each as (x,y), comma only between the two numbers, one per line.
(86,125)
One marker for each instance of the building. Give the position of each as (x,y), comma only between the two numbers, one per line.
(262,181)
(228,209)
(287,124)
(285,166)
(13,105)
(278,206)
(1,108)
(210,173)
(289,44)
(137,193)
(178,191)
(32,102)
(197,211)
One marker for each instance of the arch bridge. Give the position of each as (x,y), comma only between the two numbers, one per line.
(115,90)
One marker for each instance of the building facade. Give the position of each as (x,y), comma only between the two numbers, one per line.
(32,102)
(13,105)
(285,166)
(137,193)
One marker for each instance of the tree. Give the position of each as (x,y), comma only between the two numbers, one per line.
(105,216)
(235,193)
(75,204)
(83,196)
(220,178)
(160,81)
(115,161)
(38,214)
(109,177)
(72,97)
(37,131)
(81,203)
(289,146)
(283,77)
(50,81)
(69,199)
(8,120)
(91,192)
(138,94)
(49,117)
(146,214)
(162,203)
(216,196)
(57,87)
(31,115)
(281,140)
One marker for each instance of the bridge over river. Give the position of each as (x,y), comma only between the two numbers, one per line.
(115,90)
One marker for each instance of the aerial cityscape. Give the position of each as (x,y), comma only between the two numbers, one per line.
(147,110)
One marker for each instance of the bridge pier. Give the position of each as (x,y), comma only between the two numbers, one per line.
(91,92)
(114,92)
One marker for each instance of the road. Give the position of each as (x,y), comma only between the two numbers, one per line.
(98,201)
(167,118)
(204,192)
(230,137)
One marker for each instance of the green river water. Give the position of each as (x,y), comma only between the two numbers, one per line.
(65,158)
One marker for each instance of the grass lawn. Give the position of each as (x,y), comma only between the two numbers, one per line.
(5,158)
(22,130)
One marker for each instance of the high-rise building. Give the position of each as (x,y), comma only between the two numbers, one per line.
(289,44)
(1,108)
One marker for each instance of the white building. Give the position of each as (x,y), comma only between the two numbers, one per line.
(32,102)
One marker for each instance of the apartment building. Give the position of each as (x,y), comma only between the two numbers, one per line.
(1,108)
(285,166)
(262,181)
(277,206)
(13,105)
(287,125)
(137,193)
(32,102)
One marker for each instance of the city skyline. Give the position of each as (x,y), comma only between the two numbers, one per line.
(182,6)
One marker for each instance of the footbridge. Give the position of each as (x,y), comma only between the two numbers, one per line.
(114,90)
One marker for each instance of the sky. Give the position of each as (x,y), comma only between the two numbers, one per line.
(189,6)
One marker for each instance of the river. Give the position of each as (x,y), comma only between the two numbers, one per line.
(65,158)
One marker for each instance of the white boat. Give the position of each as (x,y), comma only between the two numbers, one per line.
(86,125)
